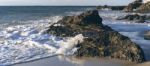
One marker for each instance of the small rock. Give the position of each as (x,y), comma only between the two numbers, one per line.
(137,18)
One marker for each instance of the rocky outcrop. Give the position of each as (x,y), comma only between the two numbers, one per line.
(103,7)
(144,8)
(147,35)
(110,7)
(133,5)
(136,18)
(100,41)
(138,6)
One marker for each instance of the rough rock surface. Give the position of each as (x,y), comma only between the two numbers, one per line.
(137,18)
(101,41)
(144,8)
(133,5)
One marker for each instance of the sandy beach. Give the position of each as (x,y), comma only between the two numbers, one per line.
(58,61)
(143,64)
(69,61)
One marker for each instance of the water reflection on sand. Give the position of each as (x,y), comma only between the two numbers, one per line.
(73,61)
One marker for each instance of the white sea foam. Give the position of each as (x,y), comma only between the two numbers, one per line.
(69,44)
(27,42)
(21,43)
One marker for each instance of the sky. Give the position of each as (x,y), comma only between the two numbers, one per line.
(65,2)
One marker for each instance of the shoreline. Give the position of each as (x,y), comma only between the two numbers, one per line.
(71,61)
(33,60)
(68,61)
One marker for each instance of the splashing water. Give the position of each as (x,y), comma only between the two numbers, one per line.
(28,42)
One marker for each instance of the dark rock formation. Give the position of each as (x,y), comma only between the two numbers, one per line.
(144,8)
(101,41)
(110,7)
(103,7)
(137,18)
(117,7)
(138,6)
(147,35)
(139,0)
(99,7)
(133,5)
(75,24)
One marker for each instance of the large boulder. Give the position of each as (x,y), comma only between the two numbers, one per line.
(72,25)
(100,41)
(144,8)
(136,18)
(133,5)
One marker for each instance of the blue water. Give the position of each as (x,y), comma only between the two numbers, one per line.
(24,13)
(21,37)
(21,32)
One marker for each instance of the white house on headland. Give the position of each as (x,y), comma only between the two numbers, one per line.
(145,1)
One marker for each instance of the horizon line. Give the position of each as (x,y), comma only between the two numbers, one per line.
(62,5)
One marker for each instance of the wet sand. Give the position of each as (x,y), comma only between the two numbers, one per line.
(143,64)
(69,61)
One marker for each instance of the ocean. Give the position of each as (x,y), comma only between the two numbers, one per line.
(23,37)
(25,13)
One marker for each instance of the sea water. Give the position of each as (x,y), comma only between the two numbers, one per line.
(23,37)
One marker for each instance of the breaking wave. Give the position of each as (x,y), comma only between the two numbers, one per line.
(21,43)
